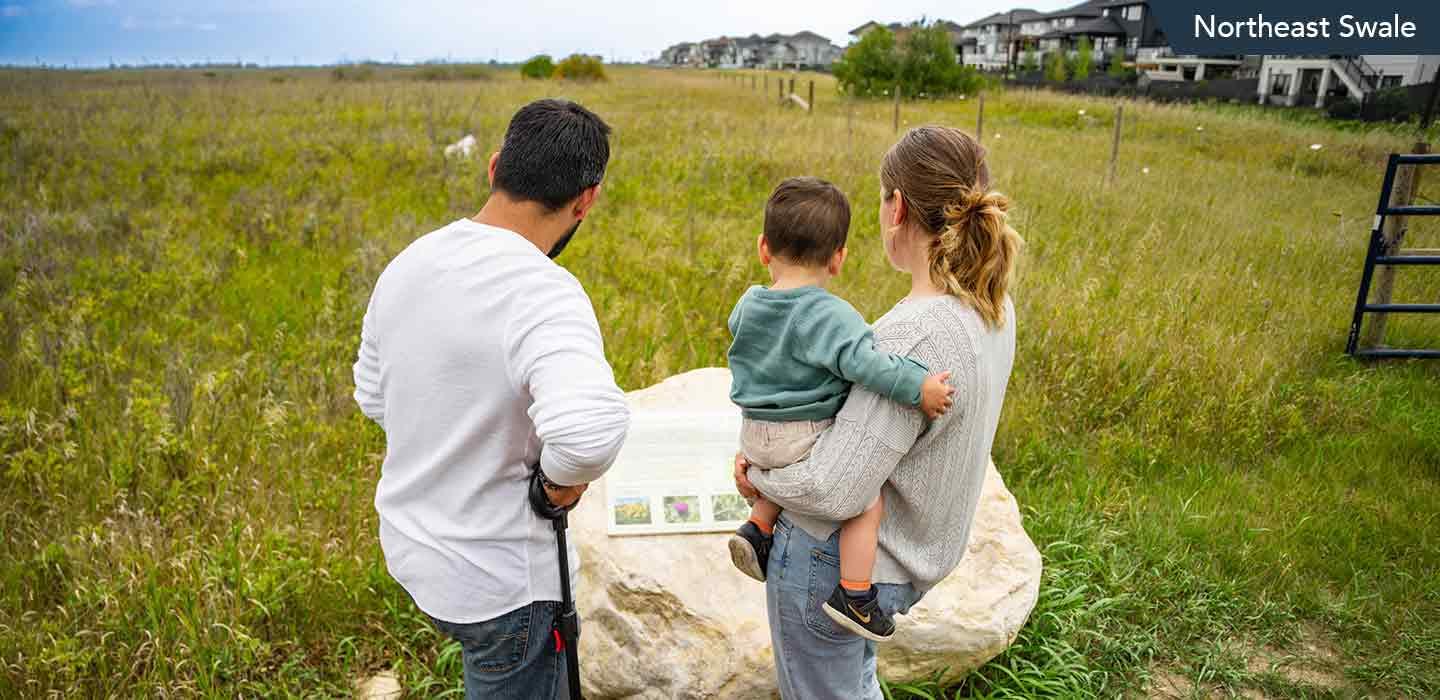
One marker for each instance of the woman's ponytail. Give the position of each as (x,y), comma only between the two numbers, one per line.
(942,176)
(973,257)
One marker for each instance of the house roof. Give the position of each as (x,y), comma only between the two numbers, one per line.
(1015,16)
(872,23)
(1095,26)
(807,34)
(1089,8)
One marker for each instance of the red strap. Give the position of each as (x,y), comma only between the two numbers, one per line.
(559,641)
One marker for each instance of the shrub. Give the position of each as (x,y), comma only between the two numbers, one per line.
(1029,62)
(1055,67)
(1347,108)
(452,72)
(540,68)
(355,73)
(924,65)
(1117,63)
(1084,59)
(1392,105)
(869,65)
(580,67)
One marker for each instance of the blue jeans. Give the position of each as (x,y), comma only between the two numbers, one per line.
(512,657)
(815,659)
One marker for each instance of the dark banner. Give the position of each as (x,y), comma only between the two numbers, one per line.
(1325,27)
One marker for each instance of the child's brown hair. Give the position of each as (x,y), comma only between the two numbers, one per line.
(806,221)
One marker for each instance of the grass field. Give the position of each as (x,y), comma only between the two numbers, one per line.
(1226,504)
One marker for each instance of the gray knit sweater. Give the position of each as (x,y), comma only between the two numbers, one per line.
(929,474)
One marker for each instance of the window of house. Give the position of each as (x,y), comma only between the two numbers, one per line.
(1134,12)
(1390,81)
(1280,84)
(1134,43)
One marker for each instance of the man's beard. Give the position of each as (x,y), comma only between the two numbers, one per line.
(564,241)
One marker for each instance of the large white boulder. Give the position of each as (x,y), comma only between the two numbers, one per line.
(668,616)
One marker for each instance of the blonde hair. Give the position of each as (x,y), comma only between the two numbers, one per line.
(945,183)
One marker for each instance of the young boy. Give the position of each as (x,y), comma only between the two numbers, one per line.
(796,350)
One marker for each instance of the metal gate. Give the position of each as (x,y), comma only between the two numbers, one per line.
(1383,252)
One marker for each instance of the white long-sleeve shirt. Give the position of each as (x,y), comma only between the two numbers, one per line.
(479,356)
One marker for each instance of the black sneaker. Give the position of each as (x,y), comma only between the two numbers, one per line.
(862,616)
(750,550)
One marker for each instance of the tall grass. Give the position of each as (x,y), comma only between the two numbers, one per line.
(186,492)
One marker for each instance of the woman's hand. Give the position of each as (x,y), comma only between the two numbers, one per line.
(742,480)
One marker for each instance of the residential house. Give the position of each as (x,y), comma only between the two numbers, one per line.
(805,49)
(1320,80)
(682,54)
(1072,26)
(993,43)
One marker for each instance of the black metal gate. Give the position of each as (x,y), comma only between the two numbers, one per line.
(1377,254)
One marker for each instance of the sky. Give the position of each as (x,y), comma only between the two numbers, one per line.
(283,32)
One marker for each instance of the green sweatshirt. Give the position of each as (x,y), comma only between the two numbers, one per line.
(796,352)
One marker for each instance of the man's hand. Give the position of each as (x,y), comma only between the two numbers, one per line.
(742,480)
(935,395)
(564,496)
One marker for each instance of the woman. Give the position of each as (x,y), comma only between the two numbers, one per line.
(941,223)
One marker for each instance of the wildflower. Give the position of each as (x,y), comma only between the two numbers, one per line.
(1082,112)
(1199,128)
(1316,146)
(1145,171)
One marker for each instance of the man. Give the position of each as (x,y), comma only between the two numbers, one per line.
(480,357)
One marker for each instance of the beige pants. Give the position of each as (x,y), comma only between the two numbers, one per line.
(775,444)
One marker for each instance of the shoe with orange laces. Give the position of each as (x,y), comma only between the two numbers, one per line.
(860,613)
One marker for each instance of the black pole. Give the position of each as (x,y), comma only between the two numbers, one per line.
(1430,104)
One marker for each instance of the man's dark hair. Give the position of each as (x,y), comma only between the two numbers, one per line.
(553,151)
(806,221)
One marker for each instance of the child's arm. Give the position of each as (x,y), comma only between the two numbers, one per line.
(841,341)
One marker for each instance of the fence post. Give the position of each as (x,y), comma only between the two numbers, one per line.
(767,82)
(792,85)
(780,83)
(811,103)
(1115,146)
(1407,183)
(897,108)
(980,120)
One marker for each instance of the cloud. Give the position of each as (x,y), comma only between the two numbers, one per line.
(89,3)
(12,11)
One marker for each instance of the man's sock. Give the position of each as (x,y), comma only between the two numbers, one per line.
(767,528)
(857,590)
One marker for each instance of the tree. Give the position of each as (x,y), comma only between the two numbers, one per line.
(1029,63)
(928,65)
(1084,59)
(540,68)
(1117,62)
(1055,67)
(578,66)
(869,65)
(925,65)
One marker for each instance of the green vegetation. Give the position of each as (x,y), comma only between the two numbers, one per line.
(1029,63)
(1117,68)
(1083,59)
(924,64)
(1055,68)
(538,68)
(1225,503)
(580,67)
